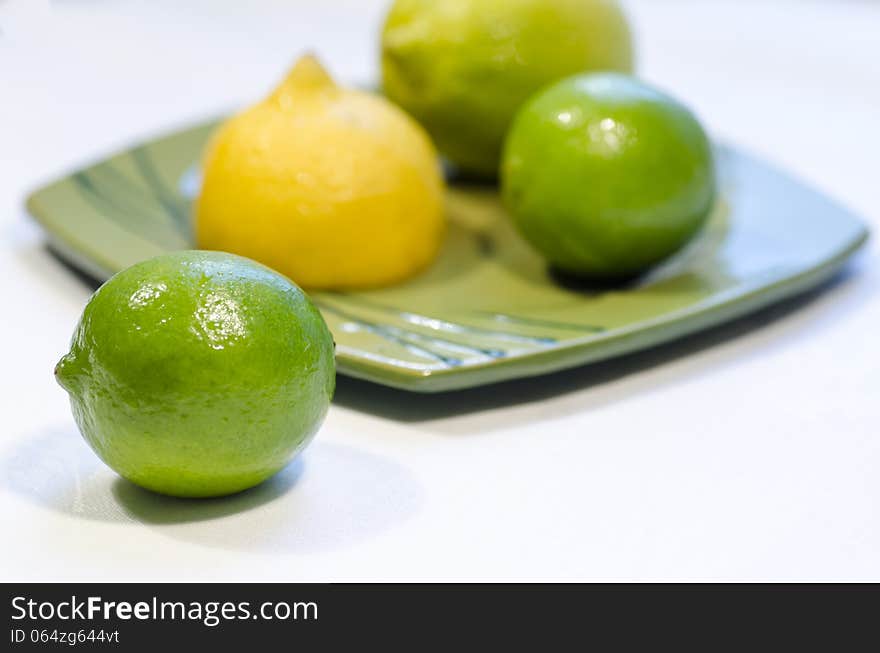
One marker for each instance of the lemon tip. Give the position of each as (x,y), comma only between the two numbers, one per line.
(307,75)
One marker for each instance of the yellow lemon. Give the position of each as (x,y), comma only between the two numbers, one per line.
(334,188)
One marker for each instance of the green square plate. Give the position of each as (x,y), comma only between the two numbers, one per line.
(487,310)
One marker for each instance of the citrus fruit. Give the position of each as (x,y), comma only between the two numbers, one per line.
(607,176)
(198,374)
(463,67)
(332,187)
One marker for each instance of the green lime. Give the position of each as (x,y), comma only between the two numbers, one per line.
(606,176)
(463,67)
(198,374)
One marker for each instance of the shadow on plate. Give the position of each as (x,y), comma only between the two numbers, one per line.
(406,406)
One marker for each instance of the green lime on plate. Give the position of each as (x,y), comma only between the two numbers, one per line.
(198,374)
(606,176)
(463,67)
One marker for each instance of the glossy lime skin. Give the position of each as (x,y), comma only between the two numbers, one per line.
(607,176)
(199,374)
(464,67)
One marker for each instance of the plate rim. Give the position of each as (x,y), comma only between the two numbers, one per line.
(575,352)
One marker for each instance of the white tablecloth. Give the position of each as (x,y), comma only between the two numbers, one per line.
(751,452)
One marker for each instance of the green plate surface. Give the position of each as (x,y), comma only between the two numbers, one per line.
(488,310)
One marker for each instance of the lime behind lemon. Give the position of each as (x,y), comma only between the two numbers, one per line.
(464,67)
(607,176)
(198,374)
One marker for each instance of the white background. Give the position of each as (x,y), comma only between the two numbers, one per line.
(751,452)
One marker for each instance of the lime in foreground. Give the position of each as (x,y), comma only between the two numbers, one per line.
(607,176)
(199,374)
